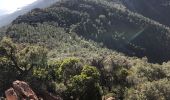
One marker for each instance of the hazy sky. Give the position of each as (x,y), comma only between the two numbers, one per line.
(9,6)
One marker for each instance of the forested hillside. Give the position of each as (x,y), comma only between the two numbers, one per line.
(88,50)
(158,10)
(109,23)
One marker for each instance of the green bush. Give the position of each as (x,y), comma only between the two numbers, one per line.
(156,90)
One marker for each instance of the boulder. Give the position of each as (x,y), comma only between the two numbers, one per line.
(11,94)
(23,90)
(20,91)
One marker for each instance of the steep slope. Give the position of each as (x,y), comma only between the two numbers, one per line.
(60,43)
(70,50)
(106,22)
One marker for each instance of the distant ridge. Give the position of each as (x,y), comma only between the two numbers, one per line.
(7,19)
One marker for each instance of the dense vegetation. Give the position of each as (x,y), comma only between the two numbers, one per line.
(109,23)
(70,50)
(82,78)
(157,10)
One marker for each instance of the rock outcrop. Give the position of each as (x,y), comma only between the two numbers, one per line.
(20,90)
(11,94)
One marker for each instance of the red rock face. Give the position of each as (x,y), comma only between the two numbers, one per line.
(20,90)
(10,94)
(24,90)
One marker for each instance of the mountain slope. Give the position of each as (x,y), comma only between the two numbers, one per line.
(109,23)
(73,50)
(155,9)
(7,19)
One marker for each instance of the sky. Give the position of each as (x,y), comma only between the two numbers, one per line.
(10,6)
